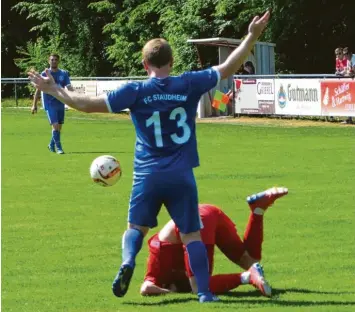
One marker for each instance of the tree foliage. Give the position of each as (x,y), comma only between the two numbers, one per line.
(71,29)
(106,37)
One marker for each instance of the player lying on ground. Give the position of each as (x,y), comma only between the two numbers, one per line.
(163,110)
(167,267)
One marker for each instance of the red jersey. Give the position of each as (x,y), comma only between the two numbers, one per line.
(340,65)
(166,264)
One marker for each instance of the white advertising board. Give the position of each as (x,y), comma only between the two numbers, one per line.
(254,96)
(298,97)
(245,96)
(265,95)
(106,86)
(84,86)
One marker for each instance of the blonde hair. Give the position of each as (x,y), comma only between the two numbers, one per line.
(157,52)
(338,50)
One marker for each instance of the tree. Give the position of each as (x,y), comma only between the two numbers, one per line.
(11,36)
(70,29)
(106,37)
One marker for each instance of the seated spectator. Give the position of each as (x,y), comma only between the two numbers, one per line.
(340,62)
(249,68)
(246,69)
(349,71)
(350,58)
(242,71)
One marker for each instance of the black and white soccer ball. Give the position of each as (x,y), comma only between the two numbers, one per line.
(105,170)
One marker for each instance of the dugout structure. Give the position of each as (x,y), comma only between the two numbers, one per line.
(262,56)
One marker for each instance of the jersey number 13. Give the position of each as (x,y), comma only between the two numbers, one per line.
(178,114)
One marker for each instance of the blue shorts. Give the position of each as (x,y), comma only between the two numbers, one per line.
(55,115)
(177,190)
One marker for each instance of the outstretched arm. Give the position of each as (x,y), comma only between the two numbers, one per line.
(84,103)
(237,57)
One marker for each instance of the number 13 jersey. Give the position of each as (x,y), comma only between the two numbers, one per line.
(163,111)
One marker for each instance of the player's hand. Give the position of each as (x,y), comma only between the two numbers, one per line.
(34,109)
(44,84)
(258,24)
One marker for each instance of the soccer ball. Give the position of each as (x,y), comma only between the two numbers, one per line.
(105,170)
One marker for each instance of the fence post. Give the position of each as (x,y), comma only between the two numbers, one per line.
(16,98)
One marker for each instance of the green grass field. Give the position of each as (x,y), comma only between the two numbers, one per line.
(61,233)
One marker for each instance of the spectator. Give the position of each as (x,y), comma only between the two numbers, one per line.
(246,69)
(242,71)
(340,62)
(249,68)
(349,71)
(350,59)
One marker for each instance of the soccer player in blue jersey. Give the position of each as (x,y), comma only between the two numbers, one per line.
(54,108)
(163,110)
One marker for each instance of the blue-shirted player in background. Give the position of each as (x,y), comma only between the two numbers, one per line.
(163,110)
(54,108)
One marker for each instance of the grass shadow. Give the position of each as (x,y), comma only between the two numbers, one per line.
(276,300)
(240,298)
(277,292)
(309,291)
(161,302)
(291,303)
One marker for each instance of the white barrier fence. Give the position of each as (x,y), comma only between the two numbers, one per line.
(96,87)
(86,85)
(265,95)
(297,97)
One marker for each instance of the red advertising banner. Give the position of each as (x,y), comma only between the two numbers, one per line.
(338,97)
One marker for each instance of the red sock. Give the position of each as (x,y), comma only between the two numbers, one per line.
(253,236)
(223,283)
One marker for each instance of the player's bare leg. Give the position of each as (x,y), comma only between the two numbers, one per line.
(131,245)
(246,261)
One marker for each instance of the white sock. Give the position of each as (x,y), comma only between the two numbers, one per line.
(259,211)
(245,277)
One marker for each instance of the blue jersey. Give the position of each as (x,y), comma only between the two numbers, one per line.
(61,77)
(163,111)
